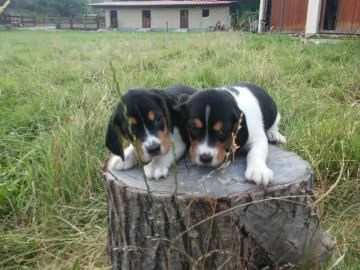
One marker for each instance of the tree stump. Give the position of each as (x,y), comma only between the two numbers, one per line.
(201,218)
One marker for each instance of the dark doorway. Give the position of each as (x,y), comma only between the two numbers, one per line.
(330,11)
(146,18)
(184,19)
(113,19)
(340,16)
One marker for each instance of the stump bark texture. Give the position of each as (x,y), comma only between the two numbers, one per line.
(201,218)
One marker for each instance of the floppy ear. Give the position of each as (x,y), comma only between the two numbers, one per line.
(116,130)
(237,112)
(237,116)
(239,120)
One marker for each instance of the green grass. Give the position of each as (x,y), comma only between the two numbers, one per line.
(56,93)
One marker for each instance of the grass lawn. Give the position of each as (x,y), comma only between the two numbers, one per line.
(57,91)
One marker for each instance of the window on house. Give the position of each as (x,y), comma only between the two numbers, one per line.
(205,13)
(146,14)
(184,13)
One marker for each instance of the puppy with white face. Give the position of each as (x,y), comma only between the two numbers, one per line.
(214,115)
(146,118)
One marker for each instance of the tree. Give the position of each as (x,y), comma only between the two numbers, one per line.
(51,7)
(69,7)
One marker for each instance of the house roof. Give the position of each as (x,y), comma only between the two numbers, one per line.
(161,3)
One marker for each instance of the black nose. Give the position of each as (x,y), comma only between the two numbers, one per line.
(205,158)
(153,149)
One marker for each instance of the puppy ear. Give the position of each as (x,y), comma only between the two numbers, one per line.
(237,112)
(237,116)
(116,130)
(239,119)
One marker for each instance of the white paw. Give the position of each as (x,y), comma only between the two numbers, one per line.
(116,163)
(154,170)
(261,175)
(275,137)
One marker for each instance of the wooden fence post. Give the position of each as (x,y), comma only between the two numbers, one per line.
(71,22)
(58,23)
(84,21)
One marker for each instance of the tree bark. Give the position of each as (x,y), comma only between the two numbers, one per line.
(198,218)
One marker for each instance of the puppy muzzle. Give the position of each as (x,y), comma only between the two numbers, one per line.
(154,149)
(205,158)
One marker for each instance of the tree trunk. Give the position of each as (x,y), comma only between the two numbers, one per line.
(202,219)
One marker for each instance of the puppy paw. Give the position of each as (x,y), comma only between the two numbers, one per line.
(261,175)
(275,137)
(153,170)
(116,163)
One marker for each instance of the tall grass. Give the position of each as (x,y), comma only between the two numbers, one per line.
(56,93)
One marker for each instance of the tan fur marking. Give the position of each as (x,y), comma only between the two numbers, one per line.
(218,125)
(221,153)
(151,115)
(192,150)
(197,122)
(138,147)
(164,139)
(165,143)
(132,120)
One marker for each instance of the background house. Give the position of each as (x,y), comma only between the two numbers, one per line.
(165,15)
(311,16)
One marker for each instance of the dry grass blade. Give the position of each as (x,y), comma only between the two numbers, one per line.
(333,186)
(234,145)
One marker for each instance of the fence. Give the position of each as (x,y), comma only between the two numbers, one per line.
(85,22)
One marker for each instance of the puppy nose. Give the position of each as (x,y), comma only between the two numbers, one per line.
(153,149)
(205,158)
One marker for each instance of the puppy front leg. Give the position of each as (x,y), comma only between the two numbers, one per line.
(130,160)
(159,166)
(256,169)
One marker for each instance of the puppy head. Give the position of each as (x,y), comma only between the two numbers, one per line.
(143,118)
(213,116)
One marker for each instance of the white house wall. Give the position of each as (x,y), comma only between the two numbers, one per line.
(129,18)
(165,17)
(107,18)
(196,21)
(169,18)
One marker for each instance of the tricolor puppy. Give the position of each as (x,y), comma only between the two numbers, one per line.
(146,117)
(213,116)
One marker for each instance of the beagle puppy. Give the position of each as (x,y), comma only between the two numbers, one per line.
(214,116)
(147,118)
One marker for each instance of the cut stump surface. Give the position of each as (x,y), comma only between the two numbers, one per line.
(201,218)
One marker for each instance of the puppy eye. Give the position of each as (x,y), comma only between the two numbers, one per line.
(158,121)
(194,130)
(222,135)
